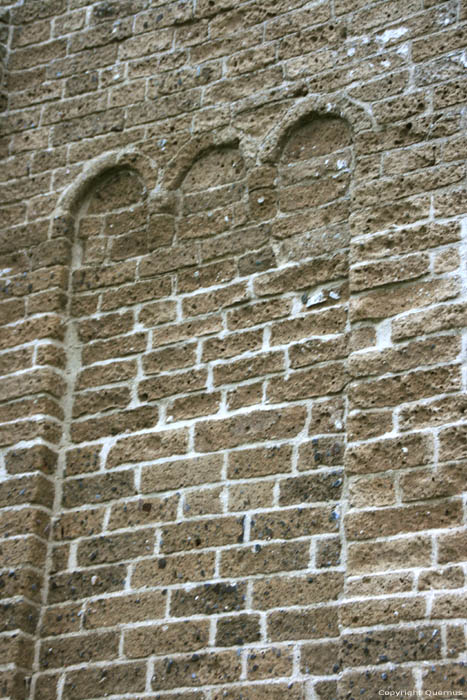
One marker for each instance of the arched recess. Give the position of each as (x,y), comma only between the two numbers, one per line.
(105,216)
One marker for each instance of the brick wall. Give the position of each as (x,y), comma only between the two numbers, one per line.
(233,306)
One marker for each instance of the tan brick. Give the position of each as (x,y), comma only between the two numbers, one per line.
(452,577)
(444,348)
(452,547)
(232,344)
(123,609)
(393,554)
(396,520)
(373,491)
(329,321)
(143,512)
(98,489)
(166,639)
(207,302)
(394,645)
(270,663)
(428,483)
(259,462)
(83,648)
(201,533)
(305,624)
(177,474)
(170,384)
(167,359)
(198,669)
(453,443)
(258,313)
(381,584)
(101,400)
(134,419)
(130,294)
(114,678)
(104,549)
(280,591)
(302,276)
(186,331)
(106,349)
(294,522)
(248,368)
(142,448)
(265,559)
(73,524)
(374,612)
(106,374)
(404,387)
(256,426)
(252,495)
(209,599)
(442,317)
(433,413)
(390,453)
(176,568)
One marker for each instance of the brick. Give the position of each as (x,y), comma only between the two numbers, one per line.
(393,521)
(265,559)
(452,547)
(129,677)
(193,406)
(29,489)
(177,474)
(106,374)
(98,489)
(381,584)
(452,577)
(325,486)
(142,512)
(114,424)
(157,313)
(327,379)
(272,662)
(212,301)
(186,331)
(107,349)
(248,368)
(306,624)
(259,462)
(36,458)
(421,485)
(404,241)
(443,317)
(393,646)
(280,591)
(255,426)
(208,599)
(390,453)
(123,609)
(393,554)
(329,321)
(176,568)
(409,356)
(372,491)
(452,443)
(199,669)
(143,448)
(130,294)
(374,682)
(168,385)
(83,648)
(50,327)
(101,400)
(104,549)
(202,533)
(167,359)
(321,269)
(232,344)
(374,612)
(296,522)
(166,639)
(256,314)
(250,496)
(405,387)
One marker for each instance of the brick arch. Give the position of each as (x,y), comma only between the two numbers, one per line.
(205,404)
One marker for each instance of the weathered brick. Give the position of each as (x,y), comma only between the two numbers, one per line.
(202,533)
(166,639)
(142,448)
(256,426)
(123,609)
(390,453)
(176,568)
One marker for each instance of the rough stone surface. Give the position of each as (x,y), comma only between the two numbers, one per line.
(233,302)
